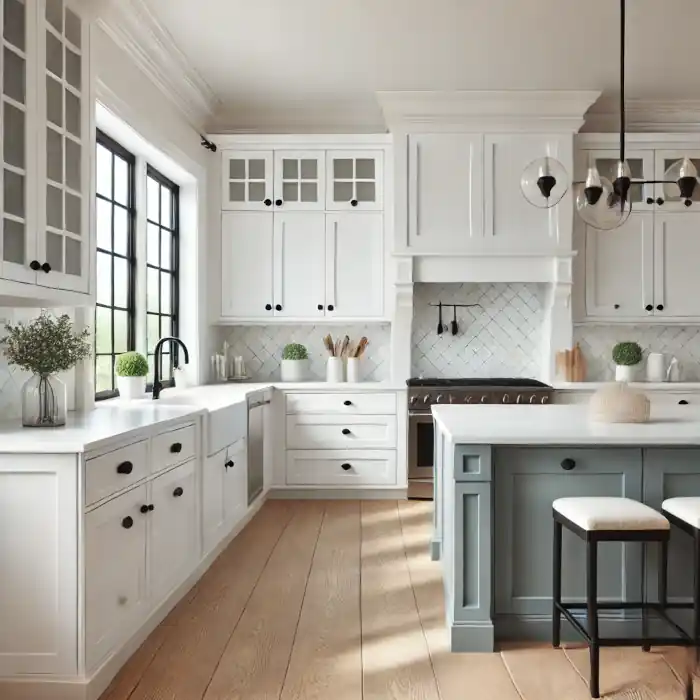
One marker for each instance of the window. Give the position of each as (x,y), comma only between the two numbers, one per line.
(137,292)
(114,312)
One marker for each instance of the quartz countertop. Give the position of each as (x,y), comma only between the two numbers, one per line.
(564,425)
(641,386)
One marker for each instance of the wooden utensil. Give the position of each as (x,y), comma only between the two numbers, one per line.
(579,365)
(328,343)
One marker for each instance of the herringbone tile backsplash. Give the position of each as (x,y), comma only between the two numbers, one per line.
(261,348)
(597,342)
(501,337)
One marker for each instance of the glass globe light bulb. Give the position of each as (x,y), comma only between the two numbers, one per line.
(623,179)
(544,182)
(598,205)
(681,179)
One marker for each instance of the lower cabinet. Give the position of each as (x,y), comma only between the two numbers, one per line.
(527,480)
(341,467)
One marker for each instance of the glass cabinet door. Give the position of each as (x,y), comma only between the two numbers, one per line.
(670,195)
(355,180)
(299,180)
(17,238)
(65,139)
(247,180)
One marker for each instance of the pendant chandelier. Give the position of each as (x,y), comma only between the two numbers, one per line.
(603,204)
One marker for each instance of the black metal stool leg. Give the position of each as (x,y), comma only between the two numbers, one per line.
(696,590)
(556,585)
(592,610)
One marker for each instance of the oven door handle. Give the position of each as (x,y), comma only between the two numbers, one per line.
(421,414)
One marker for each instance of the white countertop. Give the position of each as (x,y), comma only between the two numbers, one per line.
(564,425)
(642,386)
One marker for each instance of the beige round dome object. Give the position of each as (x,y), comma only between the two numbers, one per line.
(617,402)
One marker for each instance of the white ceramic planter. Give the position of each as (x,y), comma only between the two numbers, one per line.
(131,388)
(625,373)
(334,370)
(294,370)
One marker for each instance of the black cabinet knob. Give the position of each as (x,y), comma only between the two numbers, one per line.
(617,306)
(35,265)
(649,307)
(278,307)
(229,464)
(267,202)
(660,201)
(144,509)
(125,468)
(650,200)
(353,202)
(346,431)
(347,403)
(346,467)
(46,268)
(568,464)
(682,402)
(268,307)
(688,202)
(320,307)
(331,307)
(278,202)
(127,522)
(659,307)
(178,492)
(176,447)
(151,507)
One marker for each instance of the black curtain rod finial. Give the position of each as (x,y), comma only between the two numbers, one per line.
(209,145)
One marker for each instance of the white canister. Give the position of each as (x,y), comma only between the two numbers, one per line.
(293,370)
(625,373)
(334,370)
(353,369)
(656,367)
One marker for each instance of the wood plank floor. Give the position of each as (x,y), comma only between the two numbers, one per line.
(338,600)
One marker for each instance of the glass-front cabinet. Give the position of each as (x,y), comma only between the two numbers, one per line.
(247,181)
(300,180)
(354,180)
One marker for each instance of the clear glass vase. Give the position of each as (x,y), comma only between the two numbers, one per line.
(43,402)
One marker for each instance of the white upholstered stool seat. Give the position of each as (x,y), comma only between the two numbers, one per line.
(592,513)
(685,508)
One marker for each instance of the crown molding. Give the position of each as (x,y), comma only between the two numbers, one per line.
(646,115)
(552,111)
(136,29)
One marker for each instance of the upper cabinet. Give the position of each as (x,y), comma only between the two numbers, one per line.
(47,140)
(355,180)
(247,180)
(300,180)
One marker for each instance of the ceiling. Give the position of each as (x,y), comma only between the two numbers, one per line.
(286,64)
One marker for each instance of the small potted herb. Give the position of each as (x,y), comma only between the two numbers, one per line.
(131,369)
(295,360)
(45,346)
(626,357)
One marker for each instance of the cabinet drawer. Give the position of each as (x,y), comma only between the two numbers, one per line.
(114,471)
(341,468)
(350,404)
(317,432)
(226,426)
(173,447)
(673,398)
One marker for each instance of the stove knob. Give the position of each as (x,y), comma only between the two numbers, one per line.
(413,399)
(533,398)
(452,398)
(426,398)
(439,398)
(519,399)
(506,398)
(468,399)
(484,399)
(545,399)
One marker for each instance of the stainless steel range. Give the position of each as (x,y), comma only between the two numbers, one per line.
(423,393)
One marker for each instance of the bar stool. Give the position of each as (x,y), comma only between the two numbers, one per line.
(603,519)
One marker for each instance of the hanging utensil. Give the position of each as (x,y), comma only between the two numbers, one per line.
(455,327)
(440,328)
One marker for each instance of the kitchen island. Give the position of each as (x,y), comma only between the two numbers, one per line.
(498,469)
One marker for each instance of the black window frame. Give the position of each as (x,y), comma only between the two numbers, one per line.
(174,270)
(117,149)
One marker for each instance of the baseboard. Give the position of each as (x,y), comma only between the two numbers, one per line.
(58,688)
(435,550)
(397,493)
(469,637)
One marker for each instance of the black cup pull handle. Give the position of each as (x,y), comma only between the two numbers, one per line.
(125,468)
(347,403)
(346,467)
(568,464)
(176,447)
(128,522)
(346,431)
(178,492)
(682,402)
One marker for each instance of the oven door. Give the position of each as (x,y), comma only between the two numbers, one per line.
(421,439)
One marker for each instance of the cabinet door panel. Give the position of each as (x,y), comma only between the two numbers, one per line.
(676,254)
(246,265)
(300,180)
(527,481)
(619,269)
(236,484)
(247,180)
(355,180)
(355,265)
(300,261)
(213,480)
(115,563)
(445,184)
(173,542)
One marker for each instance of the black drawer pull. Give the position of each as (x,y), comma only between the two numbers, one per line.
(346,467)
(682,402)
(176,447)
(151,507)
(178,492)
(125,468)
(346,431)
(128,522)
(144,509)
(347,403)
(568,464)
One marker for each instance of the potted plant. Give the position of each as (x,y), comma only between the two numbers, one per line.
(295,360)
(626,357)
(131,369)
(45,346)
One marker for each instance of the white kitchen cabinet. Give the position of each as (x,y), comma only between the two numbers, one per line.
(173,541)
(445,191)
(355,180)
(247,182)
(664,158)
(246,265)
(299,264)
(236,483)
(354,265)
(300,183)
(116,595)
(619,268)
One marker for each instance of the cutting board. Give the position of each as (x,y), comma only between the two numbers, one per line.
(571,364)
